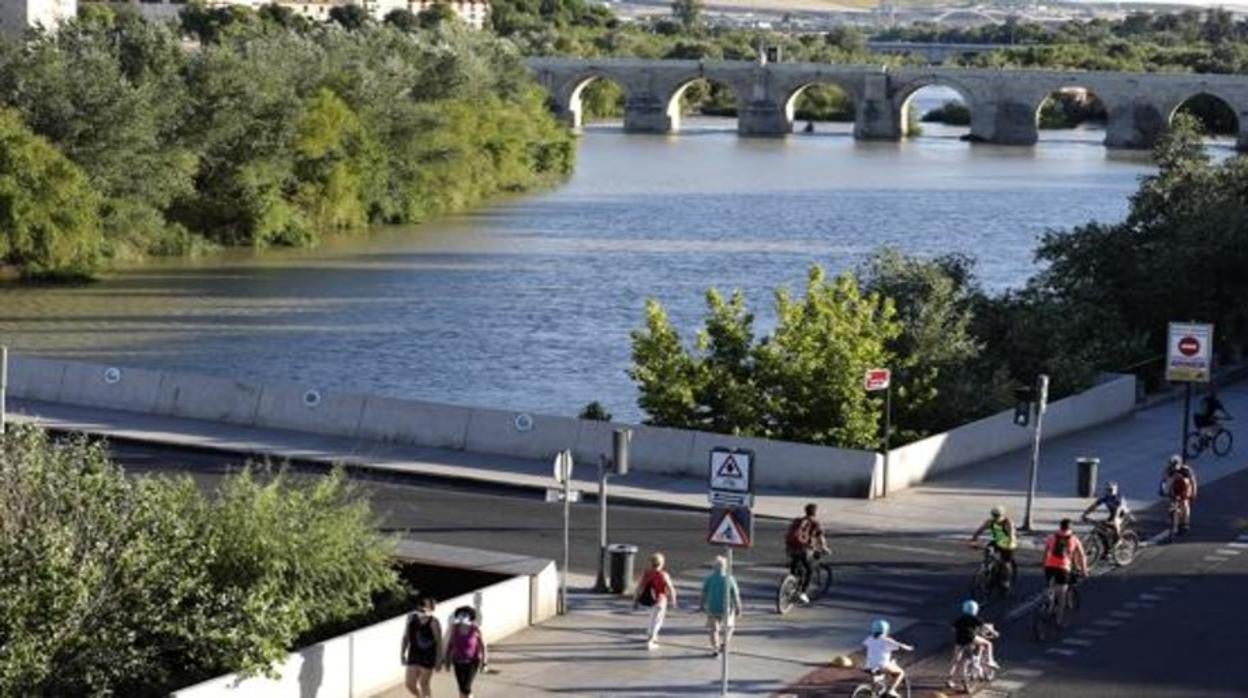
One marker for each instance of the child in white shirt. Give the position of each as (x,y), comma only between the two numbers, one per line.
(880,648)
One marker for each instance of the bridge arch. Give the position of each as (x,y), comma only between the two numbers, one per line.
(1215,111)
(905,93)
(1069,105)
(836,99)
(577,101)
(672,101)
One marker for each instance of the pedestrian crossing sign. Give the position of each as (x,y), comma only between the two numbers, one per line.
(732,471)
(732,527)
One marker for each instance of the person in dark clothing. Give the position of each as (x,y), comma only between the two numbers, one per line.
(1210,413)
(970,635)
(422,648)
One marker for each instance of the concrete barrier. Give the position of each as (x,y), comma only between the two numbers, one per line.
(113,387)
(997,435)
(35,379)
(838,472)
(308,409)
(519,433)
(203,397)
(413,422)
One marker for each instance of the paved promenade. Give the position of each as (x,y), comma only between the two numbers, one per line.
(597,650)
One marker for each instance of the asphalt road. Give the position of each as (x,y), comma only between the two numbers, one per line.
(1171,625)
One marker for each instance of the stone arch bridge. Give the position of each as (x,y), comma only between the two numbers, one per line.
(1004,104)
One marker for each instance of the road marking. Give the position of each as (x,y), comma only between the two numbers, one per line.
(1131,605)
(1007,685)
(861,592)
(1149,597)
(1077,642)
(1122,614)
(1237,544)
(904,585)
(1165,589)
(1216,558)
(913,549)
(1025,673)
(1063,651)
(1107,622)
(1092,632)
(1229,551)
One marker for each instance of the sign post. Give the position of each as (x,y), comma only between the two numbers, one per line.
(731,493)
(1189,359)
(616,465)
(4,385)
(1042,403)
(882,379)
(563,475)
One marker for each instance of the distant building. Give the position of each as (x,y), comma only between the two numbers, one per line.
(16,16)
(475,13)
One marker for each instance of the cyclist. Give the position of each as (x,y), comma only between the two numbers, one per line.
(1116,506)
(1180,487)
(1208,417)
(1003,536)
(880,648)
(1062,554)
(804,539)
(968,636)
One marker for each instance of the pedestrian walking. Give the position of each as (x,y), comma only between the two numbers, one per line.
(721,601)
(658,593)
(465,649)
(422,648)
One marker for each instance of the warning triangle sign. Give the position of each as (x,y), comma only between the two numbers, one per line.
(729,468)
(729,532)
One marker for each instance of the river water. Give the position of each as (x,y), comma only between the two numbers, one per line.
(528,304)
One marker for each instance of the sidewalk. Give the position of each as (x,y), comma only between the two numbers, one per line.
(598,650)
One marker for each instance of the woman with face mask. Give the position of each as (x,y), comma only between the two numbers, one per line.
(422,648)
(465,649)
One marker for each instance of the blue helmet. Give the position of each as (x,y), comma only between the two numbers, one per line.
(879,627)
(970,608)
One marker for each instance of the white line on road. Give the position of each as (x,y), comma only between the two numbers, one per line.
(1237,544)
(1092,632)
(1007,685)
(1063,651)
(1025,673)
(1216,558)
(1122,614)
(1150,597)
(1107,622)
(1229,551)
(1077,642)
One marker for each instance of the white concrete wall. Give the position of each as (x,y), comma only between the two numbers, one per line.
(998,435)
(367,661)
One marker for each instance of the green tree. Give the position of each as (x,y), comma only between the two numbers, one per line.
(350,17)
(437,14)
(688,13)
(668,377)
(811,368)
(402,19)
(48,210)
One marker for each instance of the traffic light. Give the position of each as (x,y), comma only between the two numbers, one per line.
(1022,407)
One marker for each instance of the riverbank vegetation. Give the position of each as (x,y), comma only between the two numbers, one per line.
(1100,303)
(113,584)
(268,133)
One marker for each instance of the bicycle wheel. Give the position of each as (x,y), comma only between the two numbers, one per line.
(1174,521)
(820,583)
(786,594)
(1222,442)
(1072,600)
(1094,549)
(1040,620)
(981,585)
(863,690)
(970,678)
(1125,549)
(1196,444)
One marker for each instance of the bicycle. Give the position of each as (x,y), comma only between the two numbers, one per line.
(876,685)
(1219,440)
(970,667)
(1104,544)
(993,575)
(1047,621)
(789,591)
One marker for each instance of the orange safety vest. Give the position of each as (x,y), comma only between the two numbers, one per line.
(1062,562)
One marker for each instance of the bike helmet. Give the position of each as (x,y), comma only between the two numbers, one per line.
(998,511)
(1176,460)
(879,627)
(970,608)
(1111,488)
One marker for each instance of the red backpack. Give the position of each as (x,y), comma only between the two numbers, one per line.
(800,535)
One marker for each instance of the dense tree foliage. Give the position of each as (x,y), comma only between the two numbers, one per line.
(117,585)
(274,131)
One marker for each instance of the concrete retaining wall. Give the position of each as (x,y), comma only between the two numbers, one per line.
(997,435)
(366,662)
(815,469)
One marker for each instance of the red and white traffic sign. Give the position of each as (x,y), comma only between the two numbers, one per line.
(877,379)
(1189,352)
(731,526)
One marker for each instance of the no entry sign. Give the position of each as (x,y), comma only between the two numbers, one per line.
(1189,353)
(877,379)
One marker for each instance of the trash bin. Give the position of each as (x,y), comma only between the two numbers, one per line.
(1086,483)
(621,555)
